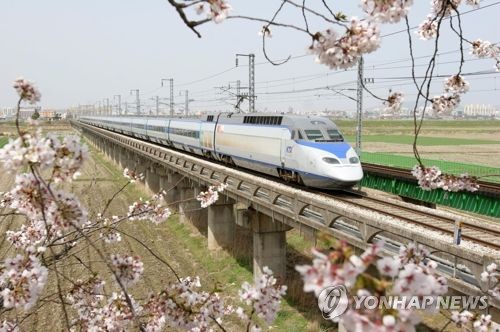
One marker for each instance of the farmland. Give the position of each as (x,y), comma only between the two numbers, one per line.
(455,146)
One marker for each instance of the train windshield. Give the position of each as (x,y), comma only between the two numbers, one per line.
(335,135)
(314,134)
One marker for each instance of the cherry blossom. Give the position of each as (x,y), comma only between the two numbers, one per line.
(86,297)
(8,326)
(473,3)
(388,266)
(482,324)
(444,7)
(387,10)
(341,52)
(394,101)
(428,177)
(456,84)
(217,10)
(183,306)
(151,210)
(445,103)
(27,90)
(265,31)
(428,28)
(128,269)
(461,319)
(132,176)
(22,280)
(265,296)
(209,197)
(484,49)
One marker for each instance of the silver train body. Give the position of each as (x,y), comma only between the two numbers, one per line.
(308,150)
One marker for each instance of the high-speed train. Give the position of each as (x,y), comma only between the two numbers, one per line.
(308,150)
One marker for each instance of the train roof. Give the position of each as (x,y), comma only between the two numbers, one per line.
(286,120)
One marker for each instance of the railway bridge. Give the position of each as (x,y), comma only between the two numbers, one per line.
(269,209)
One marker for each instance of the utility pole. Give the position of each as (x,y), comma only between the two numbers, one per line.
(126,108)
(100,108)
(171,82)
(359,107)
(251,80)
(119,104)
(186,102)
(137,100)
(157,105)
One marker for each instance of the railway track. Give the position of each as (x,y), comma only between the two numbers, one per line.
(483,235)
(489,237)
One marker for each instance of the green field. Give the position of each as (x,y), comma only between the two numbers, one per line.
(3,141)
(445,166)
(422,140)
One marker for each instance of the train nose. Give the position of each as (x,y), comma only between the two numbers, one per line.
(347,173)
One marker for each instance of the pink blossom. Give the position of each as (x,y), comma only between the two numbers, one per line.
(393,102)
(428,28)
(265,296)
(129,269)
(27,90)
(388,266)
(22,280)
(386,10)
(132,176)
(456,84)
(8,326)
(217,10)
(209,197)
(362,36)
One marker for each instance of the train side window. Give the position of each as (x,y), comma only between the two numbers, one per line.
(294,132)
(313,134)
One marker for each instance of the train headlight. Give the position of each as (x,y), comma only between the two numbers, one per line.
(331,160)
(354,160)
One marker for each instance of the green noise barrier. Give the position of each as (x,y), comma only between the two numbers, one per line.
(467,201)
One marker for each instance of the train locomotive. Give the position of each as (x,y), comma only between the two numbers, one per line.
(307,150)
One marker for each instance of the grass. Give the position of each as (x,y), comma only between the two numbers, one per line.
(422,140)
(3,141)
(445,166)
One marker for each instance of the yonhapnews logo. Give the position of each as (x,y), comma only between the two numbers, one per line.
(334,301)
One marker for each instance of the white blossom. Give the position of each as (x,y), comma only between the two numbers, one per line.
(22,280)
(27,90)
(386,11)
(445,103)
(428,28)
(128,269)
(456,84)
(393,102)
(217,10)
(264,296)
(132,176)
(209,197)
(341,52)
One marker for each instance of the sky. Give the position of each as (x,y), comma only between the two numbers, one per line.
(82,52)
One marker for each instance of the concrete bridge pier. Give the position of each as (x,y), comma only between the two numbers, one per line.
(221,224)
(170,183)
(152,179)
(189,208)
(269,245)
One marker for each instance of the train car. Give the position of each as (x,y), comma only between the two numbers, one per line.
(308,150)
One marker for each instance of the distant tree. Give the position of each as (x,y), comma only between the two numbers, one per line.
(35,116)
